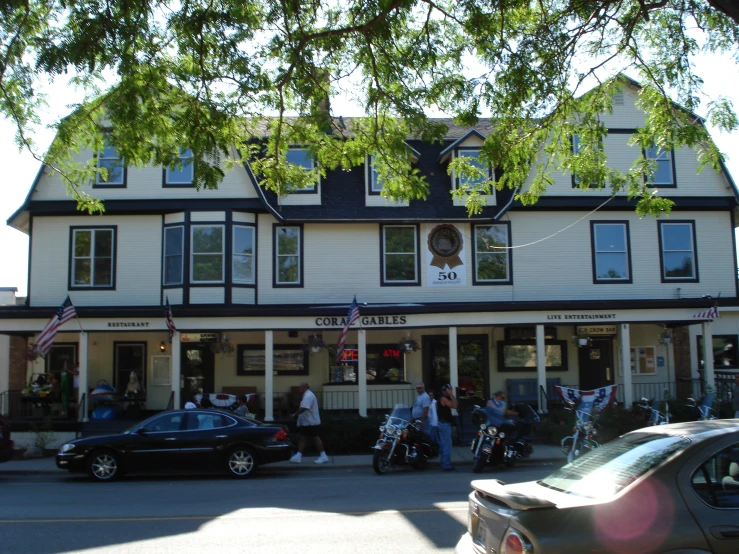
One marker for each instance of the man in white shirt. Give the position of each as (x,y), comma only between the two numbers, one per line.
(309,424)
(421,407)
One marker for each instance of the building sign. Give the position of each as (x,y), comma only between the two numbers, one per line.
(444,257)
(597,330)
(128,324)
(366,321)
(579,317)
(199,337)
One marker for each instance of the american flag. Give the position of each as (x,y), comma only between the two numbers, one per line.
(710,313)
(64,313)
(168,319)
(350,318)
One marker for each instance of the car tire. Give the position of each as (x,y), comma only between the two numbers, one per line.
(381,461)
(478,464)
(104,465)
(241,462)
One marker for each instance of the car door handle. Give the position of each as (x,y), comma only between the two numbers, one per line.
(221,436)
(170,439)
(725,532)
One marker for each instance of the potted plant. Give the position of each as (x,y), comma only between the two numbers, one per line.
(581,339)
(315,343)
(223,346)
(408,345)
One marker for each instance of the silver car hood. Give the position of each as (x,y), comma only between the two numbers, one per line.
(529,495)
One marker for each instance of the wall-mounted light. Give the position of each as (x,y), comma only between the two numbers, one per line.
(162,347)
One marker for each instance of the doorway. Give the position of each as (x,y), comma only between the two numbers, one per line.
(472,363)
(198,371)
(596,364)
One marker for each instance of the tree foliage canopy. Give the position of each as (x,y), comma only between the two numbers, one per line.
(205,73)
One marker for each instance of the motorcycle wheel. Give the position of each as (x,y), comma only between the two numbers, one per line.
(380,461)
(478,464)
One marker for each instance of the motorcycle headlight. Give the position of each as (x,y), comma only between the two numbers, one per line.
(492,430)
(390,430)
(501,435)
(483,426)
(382,428)
(66,447)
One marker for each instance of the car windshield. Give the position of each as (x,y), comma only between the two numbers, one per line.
(605,471)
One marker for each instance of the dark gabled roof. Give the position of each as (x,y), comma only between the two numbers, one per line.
(472,133)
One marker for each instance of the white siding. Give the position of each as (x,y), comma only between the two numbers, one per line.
(138,265)
(241,295)
(209,295)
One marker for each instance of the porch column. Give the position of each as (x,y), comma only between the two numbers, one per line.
(176,369)
(453,362)
(269,375)
(626,365)
(541,370)
(82,377)
(708,375)
(362,371)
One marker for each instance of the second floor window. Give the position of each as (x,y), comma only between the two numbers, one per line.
(678,257)
(92,263)
(288,252)
(108,160)
(181,175)
(243,254)
(207,254)
(663,175)
(610,252)
(492,254)
(400,254)
(173,255)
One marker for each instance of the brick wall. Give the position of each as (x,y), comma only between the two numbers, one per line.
(683,370)
(17,363)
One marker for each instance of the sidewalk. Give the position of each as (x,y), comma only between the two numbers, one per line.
(461,457)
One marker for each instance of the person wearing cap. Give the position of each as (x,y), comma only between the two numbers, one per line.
(446,404)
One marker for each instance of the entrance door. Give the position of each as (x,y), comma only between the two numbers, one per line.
(472,363)
(596,364)
(198,370)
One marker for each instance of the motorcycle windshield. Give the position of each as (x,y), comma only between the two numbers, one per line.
(400,415)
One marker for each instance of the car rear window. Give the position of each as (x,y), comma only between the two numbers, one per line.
(605,471)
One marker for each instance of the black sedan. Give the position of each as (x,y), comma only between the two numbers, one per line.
(179,440)
(663,489)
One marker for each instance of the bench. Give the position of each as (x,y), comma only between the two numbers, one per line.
(526,391)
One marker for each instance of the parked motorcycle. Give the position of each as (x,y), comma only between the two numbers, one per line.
(655,417)
(505,444)
(583,435)
(402,442)
(703,411)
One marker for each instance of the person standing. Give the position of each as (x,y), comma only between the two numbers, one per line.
(309,424)
(421,408)
(444,407)
(735,396)
(433,418)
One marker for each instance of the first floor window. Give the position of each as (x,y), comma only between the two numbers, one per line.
(400,254)
(491,254)
(183,175)
(677,242)
(173,255)
(286,360)
(288,252)
(92,257)
(129,376)
(610,251)
(207,254)
(243,254)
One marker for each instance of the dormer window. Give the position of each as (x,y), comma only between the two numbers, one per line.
(375,182)
(184,175)
(109,160)
(663,175)
(303,158)
(473,154)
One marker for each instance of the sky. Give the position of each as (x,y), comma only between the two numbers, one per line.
(720,74)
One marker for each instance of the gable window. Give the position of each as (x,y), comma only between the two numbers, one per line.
(375,182)
(663,175)
(491,260)
(109,160)
(400,262)
(173,255)
(243,254)
(182,176)
(303,158)
(677,251)
(207,254)
(92,263)
(474,158)
(288,256)
(577,148)
(611,256)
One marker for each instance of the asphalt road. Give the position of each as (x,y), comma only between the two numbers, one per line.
(343,511)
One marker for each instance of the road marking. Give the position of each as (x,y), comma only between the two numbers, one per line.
(262,513)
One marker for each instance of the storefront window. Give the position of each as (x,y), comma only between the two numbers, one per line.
(385,365)
(521,355)
(288,360)
(724,352)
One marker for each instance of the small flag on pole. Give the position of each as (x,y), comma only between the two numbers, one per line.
(350,318)
(711,313)
(168,319)
(64,313)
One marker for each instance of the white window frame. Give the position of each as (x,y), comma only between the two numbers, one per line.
(375,183)
(235,255)
(222,253)
(488,172)
(92,257)
(188,169)
(385,255)
(298,255)
(181,255)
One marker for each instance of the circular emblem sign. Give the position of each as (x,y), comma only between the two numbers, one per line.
(445,243)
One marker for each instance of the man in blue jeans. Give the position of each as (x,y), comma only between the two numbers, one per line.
(446,404)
